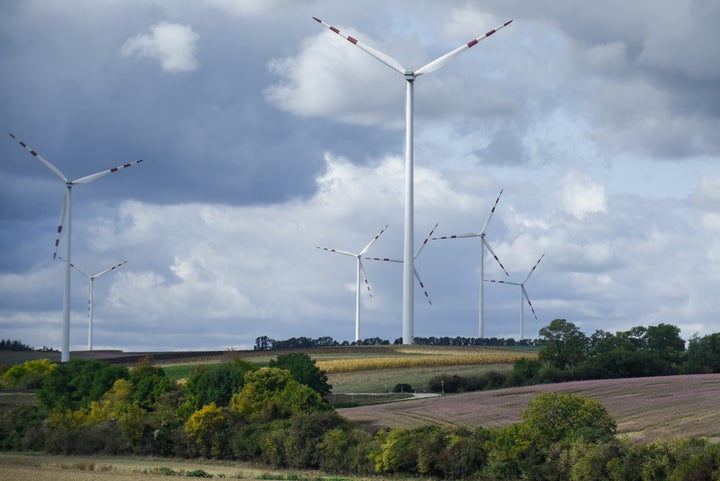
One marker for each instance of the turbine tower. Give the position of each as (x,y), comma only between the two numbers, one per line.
(483,245)
(410,76)
(359,270)
(523,294)
(90,295)
(66,211)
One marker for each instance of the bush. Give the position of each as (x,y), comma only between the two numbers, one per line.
(402,388)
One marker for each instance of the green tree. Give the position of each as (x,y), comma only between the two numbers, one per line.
(215,383)
(303,370)
(272,393)
(665,343)
(28,375)
(207,430)
(565,345)
(703,354)
(78,382)
(149,383)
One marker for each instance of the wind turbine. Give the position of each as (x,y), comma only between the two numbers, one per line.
(66,210)
(360,270)
(483,245)
(523,294)
(410,76)
(90,295)
(415,272)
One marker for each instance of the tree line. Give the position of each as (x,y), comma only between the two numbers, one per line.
(265,343)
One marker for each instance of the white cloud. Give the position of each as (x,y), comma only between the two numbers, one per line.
(582,196)
(174,45)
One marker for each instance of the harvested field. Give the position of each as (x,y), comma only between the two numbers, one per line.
(646,409)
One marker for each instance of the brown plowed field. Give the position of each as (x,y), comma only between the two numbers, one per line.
(646,409)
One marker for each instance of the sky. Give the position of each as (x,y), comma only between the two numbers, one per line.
(264,135)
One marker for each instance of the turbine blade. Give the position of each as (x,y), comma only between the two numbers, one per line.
(63,211)
(425,241)
(422,286)
(384,58)
(492,211)
(440,61)
(91,177)
(527,298)
(457,236)
(365,249)
(383,259)
(336,251)
(533,269)
(365,279)
(503,282)
(74,267)
(54,169)
(486,244)
(108,269)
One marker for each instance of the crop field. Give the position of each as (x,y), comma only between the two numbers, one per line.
(647,410)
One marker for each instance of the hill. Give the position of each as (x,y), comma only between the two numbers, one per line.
(646,409)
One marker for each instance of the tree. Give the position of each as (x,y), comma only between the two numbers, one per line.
(565,345)
(665,343)
(703,354)
(149,383)
(217,383)
(303,370)
(207,429)
(28,375)
(272,393)
(78,382)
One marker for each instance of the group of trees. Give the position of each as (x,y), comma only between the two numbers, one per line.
(265,343)
(568,354)
(14,345)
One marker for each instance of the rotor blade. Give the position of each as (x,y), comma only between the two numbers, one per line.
(503,282)
(425,241)
(54,169)
(456,236)
(383,259)
(345,253)
(533,269)
(365,249)
(75,267)
(527,298)
(486,244)
(63,211)
(362,271)
(384,58)
(492,211)
(91,177)
(108,269)
(422,286)
(439,62)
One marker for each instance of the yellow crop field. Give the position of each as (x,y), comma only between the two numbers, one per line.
(424,356)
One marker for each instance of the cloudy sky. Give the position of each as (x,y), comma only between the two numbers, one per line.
(265,135)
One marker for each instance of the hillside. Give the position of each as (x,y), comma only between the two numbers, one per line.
(646,409)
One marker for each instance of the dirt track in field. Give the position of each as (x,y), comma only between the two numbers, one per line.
(646,409)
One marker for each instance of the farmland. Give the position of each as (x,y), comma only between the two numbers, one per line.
(647,410)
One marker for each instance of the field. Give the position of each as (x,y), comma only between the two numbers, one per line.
(646,409)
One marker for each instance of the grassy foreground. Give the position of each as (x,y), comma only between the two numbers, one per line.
(23,467)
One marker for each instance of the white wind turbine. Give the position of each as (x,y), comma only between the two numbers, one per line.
(415,272)
(523,294)
(360,270)
(90,295)
(483,245)
(410,76)
(65,211)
